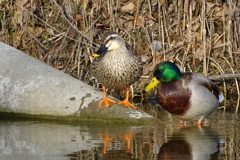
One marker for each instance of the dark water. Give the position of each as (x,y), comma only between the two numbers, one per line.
(219,138)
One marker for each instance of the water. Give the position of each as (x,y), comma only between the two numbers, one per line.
(219,138)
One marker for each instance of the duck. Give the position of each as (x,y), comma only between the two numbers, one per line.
(115,66)
(188,96)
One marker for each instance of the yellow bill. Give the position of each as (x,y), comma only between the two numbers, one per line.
(95,55)
(154,82)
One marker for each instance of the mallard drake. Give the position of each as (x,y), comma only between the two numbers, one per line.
(116,67)
(188,96)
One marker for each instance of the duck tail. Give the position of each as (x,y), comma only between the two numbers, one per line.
(220,97)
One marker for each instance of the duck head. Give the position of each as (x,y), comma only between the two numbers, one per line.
(112,41)
(164,72)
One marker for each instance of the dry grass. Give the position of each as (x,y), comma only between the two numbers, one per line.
(199,38)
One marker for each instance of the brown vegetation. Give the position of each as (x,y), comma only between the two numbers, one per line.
(199,38)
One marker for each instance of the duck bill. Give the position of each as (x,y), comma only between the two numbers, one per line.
(154,82)
(95,55)
(100,51)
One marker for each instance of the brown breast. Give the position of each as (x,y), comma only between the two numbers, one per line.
(173,97)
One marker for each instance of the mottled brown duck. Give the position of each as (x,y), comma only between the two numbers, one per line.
(116,68)
(188,96)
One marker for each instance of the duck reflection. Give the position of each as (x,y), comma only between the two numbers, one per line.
(149,143)
(118,146)
(111,142)
(191,143)
(115,143)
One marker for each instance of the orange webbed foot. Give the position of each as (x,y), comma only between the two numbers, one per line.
(126,103)
(106,102)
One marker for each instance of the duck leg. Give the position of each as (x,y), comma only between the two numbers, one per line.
(125,102)
(106,139)
(182,123)
(127,137)
(105,100)
(199,124)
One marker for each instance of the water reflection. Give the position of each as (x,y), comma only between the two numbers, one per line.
(191,143)
(166,140)
(117,143)
(187,143)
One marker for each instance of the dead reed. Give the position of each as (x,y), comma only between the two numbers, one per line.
(200,36)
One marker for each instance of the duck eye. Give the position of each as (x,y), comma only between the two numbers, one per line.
(160,70)
(111,38)
(109,41)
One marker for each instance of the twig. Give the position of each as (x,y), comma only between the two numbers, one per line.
(60,46)
(45,48)
(53,38)
(222,45)
(66,17)
(42,21)
(172,48)
(224,76)
(204,39)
